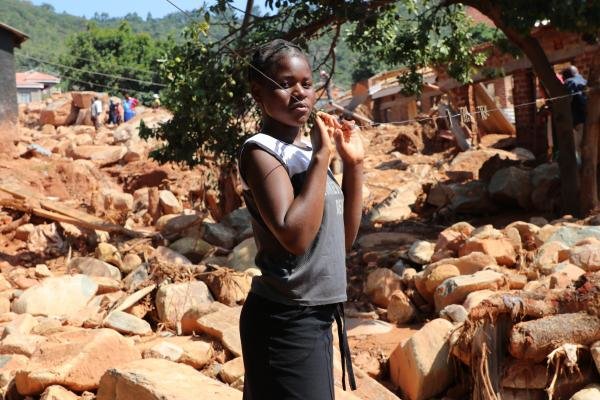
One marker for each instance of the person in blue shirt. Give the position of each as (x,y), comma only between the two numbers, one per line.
(576,85)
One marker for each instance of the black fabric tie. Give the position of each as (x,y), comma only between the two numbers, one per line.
(340,319)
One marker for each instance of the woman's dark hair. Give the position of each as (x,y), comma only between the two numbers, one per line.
(267,54)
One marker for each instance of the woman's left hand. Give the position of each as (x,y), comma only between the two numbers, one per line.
(349,143)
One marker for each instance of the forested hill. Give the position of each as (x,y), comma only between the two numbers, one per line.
(48,30)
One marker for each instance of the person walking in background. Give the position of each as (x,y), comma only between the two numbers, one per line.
(326,83)
(112,112)
(129,107)
(576,85)
(96,112)
(155,102)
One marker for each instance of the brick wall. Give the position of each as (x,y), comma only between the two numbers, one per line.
(524,91)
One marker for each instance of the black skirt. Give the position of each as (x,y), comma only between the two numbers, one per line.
(287,350)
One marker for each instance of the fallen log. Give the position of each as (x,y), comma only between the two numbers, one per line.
(91,223)
(534,340)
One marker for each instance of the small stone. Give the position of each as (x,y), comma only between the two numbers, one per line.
(454,313)
(93,267)
(168,256)
(130,262)
(126,323)
(400,309)
(136,277)
(380,285)
(421,251)
(42,271)
(193,248)
(164,350)
(243,255)
(106,284)
(174,300)
(438,275)
(116,200)
(232,370)
(399,267)
(501,249)
(169,202)
(108,253)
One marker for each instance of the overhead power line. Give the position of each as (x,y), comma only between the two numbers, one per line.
(119,77)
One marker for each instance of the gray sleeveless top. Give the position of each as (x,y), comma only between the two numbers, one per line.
(318,276)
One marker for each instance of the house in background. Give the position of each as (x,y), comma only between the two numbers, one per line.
(9,110)
(9,39)
(33,85)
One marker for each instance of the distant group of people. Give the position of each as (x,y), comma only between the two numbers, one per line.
(119,111)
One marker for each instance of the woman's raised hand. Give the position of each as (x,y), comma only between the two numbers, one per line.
(323,134)
(349,143)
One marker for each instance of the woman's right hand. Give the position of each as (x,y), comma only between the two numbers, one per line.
(322,135)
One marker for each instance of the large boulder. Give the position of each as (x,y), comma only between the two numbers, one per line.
(396,207)
(421,365)
(455,290)
(511,186)
(421,251)
(466,165)
(223,325)
(59,112)
(545,182)
(83,99)
(243,255)
(586,256)
(75,360)
(572,234)
(101,155)
(470,198)
(501,249)
(60,296)
(158,379)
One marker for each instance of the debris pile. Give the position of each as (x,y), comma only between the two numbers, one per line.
(120,276)
(517,308)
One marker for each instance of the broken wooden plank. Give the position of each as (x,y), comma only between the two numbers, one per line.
(21,205)
(33,198)
(496,121)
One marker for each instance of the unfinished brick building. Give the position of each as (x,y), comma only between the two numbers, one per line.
(508,80)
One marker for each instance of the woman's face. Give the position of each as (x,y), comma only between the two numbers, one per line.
(292,98)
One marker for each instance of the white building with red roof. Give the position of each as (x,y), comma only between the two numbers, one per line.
(32,85)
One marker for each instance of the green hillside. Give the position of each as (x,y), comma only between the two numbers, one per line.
(49,30)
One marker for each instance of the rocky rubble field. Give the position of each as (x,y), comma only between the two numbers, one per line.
(124,279)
